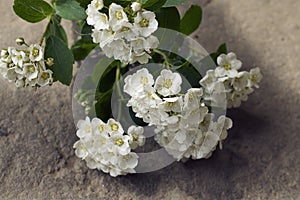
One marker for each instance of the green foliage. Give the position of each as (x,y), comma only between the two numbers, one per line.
(63,59)
(70,9)
(84,3)
(168,18)
(153,4)
(56,43)
(108,78)
(54,28)
(171,3)
(81,49)
(99,68)
(86,32)
(191,20)
(32,10)
(103,105)
(191,74)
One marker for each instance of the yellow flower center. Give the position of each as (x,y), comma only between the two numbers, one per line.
(124,29)
(144,80)
(45,76)
(119,15)
(87,129)
(170,104)
(19,57)
(135,137)
(227,66)
(35,52)
(101,128)
(191,97)
(104,19)
(119,142)
(31,68)
(97,4)
(150,95)
(253,77)
(114,127)
(167,83)
(144,23)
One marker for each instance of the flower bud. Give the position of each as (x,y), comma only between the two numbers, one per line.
(20,41)
(50,62)
(136,6)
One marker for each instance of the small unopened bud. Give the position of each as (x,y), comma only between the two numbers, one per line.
(136,6)
(4,53)
(50,62)
(20,41)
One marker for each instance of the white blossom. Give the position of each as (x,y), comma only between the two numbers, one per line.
(81,151)
(240,81)
(142,58)
(227,80)
(18,57)
(255,77)
(36,53)
(97,4)
(168,83)
(128,162)
(120,143)
(135,6)
(228,65)
(173,104)
(108,148)
(137,137)
(30,71)
(84,128)
(117,17)
(135,84)
(45,78)
(120,38)
(114,127)
(145,23)
(26,68)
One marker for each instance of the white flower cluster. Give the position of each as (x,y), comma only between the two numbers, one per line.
(105,146)
(226,78)
(25,68)
(125,34)
(184,126)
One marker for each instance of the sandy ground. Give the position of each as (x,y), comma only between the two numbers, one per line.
(261,157)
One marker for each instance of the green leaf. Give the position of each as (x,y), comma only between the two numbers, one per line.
(81,49)
(105,75)
(54,28)
(103,105)
(86,32)
(32,10)
(222,49)
(63,59)
(153,4)
(70,9)
(191,20)
(168,18)
(84,3)
(171,3)
(101,67)
(191,74)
